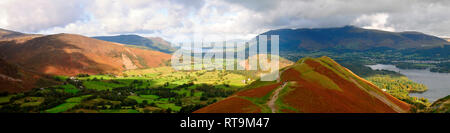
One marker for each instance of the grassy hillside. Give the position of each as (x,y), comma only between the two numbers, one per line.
(440,106)
(312,85)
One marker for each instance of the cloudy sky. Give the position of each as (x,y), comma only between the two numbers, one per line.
(238,19)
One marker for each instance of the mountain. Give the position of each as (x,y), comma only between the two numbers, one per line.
(70,54)
(7,35)
(352,38)
(448,39)
(154,43)
(16,79)
(312,85)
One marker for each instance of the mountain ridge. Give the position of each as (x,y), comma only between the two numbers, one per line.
(312,85)
(352,38)
(71,54)
(154,43)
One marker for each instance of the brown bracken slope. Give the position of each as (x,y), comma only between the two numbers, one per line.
(312,85)
(15,79)
(70,54)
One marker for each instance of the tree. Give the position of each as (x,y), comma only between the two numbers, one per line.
(145,102)
(192,92)
(166,84)
(203,98)
(129,102)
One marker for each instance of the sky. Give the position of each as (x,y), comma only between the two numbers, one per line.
(232,19)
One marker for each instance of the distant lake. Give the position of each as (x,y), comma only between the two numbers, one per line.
(438,83)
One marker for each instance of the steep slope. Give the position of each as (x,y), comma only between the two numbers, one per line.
(352,38)
(317,85)
(153,43)
(441,106)
(160,42)
(69,54)
(16,79)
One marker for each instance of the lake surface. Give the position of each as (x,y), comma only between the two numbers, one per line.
(438,83)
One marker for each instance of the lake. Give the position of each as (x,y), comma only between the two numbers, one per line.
(438,83)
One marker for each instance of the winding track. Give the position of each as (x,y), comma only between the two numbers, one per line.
(271,102)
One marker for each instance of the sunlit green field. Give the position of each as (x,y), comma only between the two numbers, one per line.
(160,90)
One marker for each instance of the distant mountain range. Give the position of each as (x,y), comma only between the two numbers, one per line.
(154,43)
(312,85)
(7,35)
(352,38)
(70,54)
(448,39)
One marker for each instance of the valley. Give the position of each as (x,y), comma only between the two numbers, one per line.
(69,73)
(162,91)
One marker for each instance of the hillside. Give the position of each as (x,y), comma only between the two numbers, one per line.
(352,38)
(448,39)
(441,106)
(153,43)
(312,85)
(69,54)
(16,79)
(7,33)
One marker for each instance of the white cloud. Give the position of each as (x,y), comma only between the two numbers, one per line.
(226,18)
(35,15)
(375,21)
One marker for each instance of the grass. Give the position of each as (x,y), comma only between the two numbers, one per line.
(28,104)
(5,99)
(29,101)
(60,78)
(68,88)
(70,103)
(149,96)
(162,75)
(77,99)
(307,72)
(146,78)
(169,105)
(279,102)
(141,98)
(61,108)
(73,91)
(119,111)
(100,85)
(261,102)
